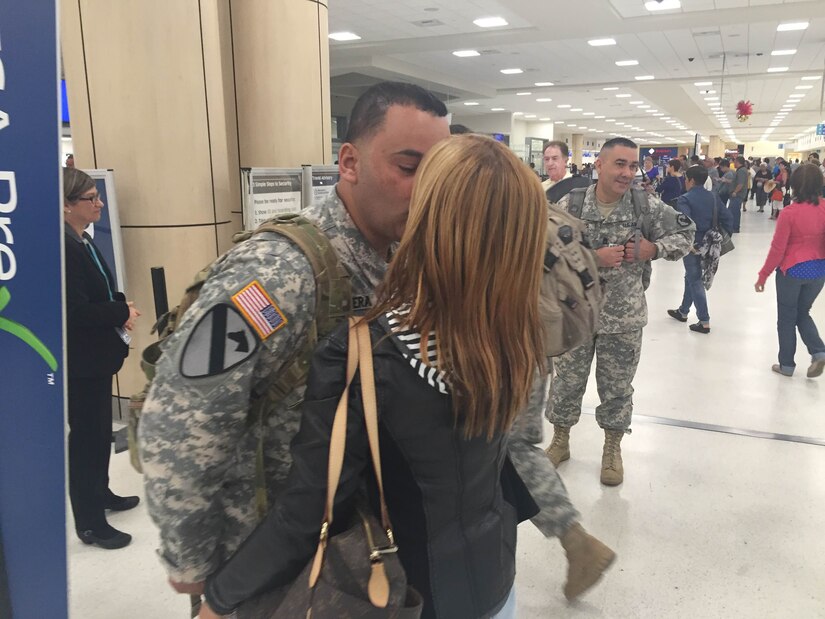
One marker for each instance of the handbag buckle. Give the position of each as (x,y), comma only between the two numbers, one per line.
(377,553)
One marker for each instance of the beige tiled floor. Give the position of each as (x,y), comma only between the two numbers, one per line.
(705,525)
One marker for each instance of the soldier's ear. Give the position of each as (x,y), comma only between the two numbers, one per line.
(348,163)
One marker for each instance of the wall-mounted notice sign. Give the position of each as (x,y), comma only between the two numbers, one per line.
(271,192)
(323,181)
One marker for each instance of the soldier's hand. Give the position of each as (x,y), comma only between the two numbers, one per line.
(190,588)
(647,250)
(610,256)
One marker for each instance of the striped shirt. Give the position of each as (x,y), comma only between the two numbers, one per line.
(411,341)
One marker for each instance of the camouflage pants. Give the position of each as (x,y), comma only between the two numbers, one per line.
(535,469)
(617,357)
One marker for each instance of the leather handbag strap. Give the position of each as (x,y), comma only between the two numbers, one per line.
(359,353)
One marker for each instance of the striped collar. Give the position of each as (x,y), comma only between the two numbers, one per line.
(409,342)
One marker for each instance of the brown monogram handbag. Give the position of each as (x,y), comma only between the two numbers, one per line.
(356,573)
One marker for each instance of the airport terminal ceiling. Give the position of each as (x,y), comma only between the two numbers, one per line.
(658,72)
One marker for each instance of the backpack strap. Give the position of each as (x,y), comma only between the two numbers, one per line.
(575,203)
(639,197)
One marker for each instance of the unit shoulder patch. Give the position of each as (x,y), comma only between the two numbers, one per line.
(259,310)
(683,220)
(220,341)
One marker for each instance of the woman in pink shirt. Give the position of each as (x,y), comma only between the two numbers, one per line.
(798,255)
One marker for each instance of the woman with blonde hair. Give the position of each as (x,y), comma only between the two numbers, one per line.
(457,341)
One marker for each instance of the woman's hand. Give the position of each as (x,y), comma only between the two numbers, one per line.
(759,287)
(133,314)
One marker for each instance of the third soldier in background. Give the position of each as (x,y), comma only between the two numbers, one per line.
(628,228)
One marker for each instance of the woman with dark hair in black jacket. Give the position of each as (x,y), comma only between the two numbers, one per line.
(97,318)
(456,343)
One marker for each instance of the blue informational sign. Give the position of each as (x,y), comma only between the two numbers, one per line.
(820,129)
(32,492)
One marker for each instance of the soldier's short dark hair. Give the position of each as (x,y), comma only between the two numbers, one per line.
(371,107)
(724,163)
(694,159)
(740,160)
(613,143)
(562,146)
(459,129)
(698,174)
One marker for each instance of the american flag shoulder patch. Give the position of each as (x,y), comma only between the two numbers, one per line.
(259,309)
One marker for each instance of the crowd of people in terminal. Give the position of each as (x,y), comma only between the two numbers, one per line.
(264,388)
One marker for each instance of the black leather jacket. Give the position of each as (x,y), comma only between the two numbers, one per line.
(456,533)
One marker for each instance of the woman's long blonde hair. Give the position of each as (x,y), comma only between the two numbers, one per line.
(469,268)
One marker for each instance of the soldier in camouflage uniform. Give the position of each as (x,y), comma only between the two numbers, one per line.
(609,214)
(198,447)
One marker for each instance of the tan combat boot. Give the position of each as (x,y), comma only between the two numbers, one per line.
(612,469)
(559,449)
(587,559)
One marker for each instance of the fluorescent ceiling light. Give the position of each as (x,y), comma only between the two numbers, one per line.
(466,53)
(518,113)
(523,94)
(802,25)
(617,88)
(601,42)
(588,113)
(543,84)
(644,78)
(471,103)
(777,69)
(543,100)
(599,117)
(544,119)
(623,96)
(807,87)
(797,95)
(650,112)
(783,52)
(666,118)
(530,116)
(512,71)
(344,36)
(569,125)
(711,98)
(626,63)
(564,106)
(806,78)
(702,83)
(490,22)
(575,109)
(559,122)
(497,109)
(643,107)
(583,128)
(658,114)
(635,102)
(610,120)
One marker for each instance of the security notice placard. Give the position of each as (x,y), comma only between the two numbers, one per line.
(323,181)
(272,192)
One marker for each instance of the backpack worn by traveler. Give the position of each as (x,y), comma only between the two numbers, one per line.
(333,299)
(571,291)
(639,197)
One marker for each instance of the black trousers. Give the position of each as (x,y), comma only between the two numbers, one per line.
(90,447)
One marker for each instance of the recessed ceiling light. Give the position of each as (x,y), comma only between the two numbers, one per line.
(543,100)
(626,63)
(783,52)
(807,78)
(617,88)
(588,113)
(601,42)
(702,83)
(466,53)
(344,36)
(544,119)
(564,106)
(623,96)
(644,78)
(807,87)
(777,69)
(471,103)
(802,25)
(576,109)
(490,22)
(543,84)
(497,109)
(512,71)
(523,94)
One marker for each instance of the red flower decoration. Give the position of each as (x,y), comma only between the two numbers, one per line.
(743,110)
